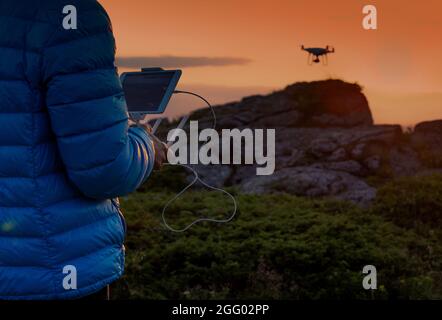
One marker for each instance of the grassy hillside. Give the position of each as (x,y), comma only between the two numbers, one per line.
(281,246)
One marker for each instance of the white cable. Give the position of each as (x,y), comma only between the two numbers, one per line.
(179,194)
(197,178)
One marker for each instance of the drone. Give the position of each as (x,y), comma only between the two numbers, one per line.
(316,53)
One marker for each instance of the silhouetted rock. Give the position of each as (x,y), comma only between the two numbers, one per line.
(328,103)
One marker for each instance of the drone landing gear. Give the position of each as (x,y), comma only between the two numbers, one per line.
(309,59)
(325,60)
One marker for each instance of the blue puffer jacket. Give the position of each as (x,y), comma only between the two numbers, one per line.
(66,151)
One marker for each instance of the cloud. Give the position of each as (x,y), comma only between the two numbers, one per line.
(178,62)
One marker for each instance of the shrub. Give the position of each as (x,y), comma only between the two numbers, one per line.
(278,247)
(412,202)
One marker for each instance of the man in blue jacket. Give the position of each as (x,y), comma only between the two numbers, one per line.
(66,152)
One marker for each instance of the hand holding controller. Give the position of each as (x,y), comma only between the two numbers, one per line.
(160,147)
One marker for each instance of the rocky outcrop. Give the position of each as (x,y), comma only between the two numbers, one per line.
(326,143)
(358,150)
(427,138)
(327,103)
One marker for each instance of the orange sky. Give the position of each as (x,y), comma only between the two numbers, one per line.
(257,46)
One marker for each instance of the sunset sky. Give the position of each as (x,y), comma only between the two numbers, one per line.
(232,48)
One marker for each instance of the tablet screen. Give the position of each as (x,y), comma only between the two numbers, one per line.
(149,92)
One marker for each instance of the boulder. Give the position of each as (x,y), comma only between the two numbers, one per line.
(427,139)
(349,166)
(373,163)
(323,146)
(313,182)
(329,103)
(338,155)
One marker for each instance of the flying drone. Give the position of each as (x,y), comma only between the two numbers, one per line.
(314,54)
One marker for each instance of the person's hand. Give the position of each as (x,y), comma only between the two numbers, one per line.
(160,147)
(160,151)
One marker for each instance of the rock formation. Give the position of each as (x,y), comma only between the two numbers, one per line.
(326,143)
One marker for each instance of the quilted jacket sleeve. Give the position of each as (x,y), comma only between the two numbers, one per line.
(103,157)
